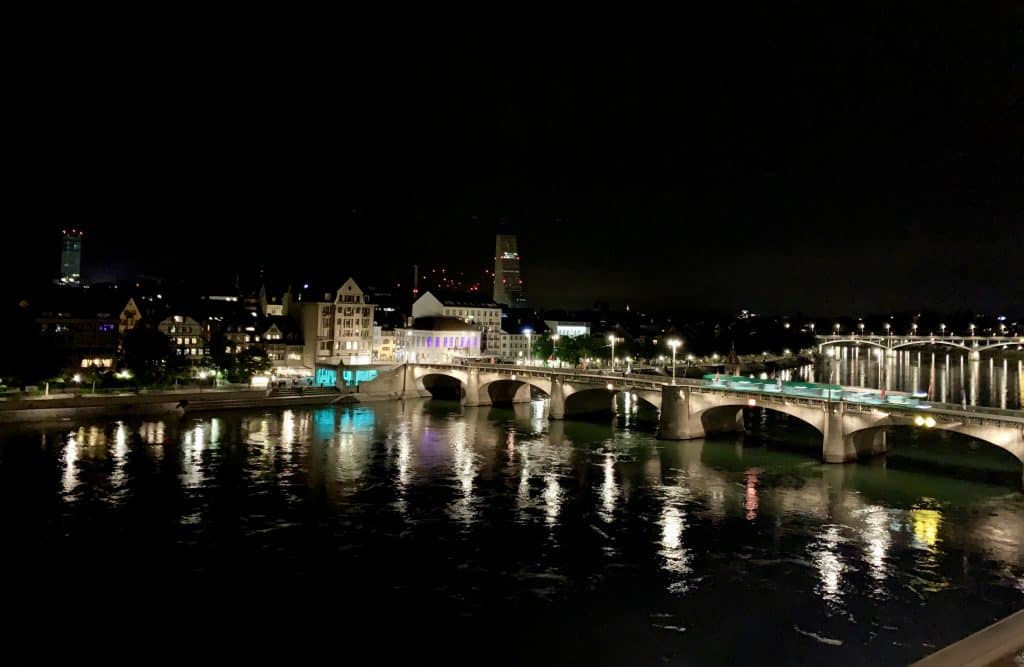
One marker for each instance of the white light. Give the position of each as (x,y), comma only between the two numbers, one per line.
(929,422)
(919,420)
(77,377)
(610,387)
(751,402)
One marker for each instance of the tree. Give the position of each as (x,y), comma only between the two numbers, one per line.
(30,356)
(249,362)
(149,355)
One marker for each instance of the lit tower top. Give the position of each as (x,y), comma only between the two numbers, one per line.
(508,282)
(71,257)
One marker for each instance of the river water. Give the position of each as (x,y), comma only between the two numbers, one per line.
(948,376)
(424,531)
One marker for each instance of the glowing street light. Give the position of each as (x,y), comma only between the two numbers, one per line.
(971,326)
(942,327)
(675,344)
(861,327)
(529,350)
(887,327)
(554,346)
(913,329)
(611,339)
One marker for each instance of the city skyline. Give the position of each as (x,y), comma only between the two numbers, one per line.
(847,175)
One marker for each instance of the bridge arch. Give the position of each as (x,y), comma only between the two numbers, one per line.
(728,415)
(1010,441)
(514,389)
(918,343)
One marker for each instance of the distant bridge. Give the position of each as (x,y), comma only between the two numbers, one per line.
(973,345)
(852,422)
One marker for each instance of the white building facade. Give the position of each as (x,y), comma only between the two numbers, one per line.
(467,307)
(338,329)
(437,340)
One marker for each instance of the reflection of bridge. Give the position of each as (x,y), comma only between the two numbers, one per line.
(973,345)
(852,423)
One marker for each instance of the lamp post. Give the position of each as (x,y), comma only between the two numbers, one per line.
(942,328)
(913,329)
(861,327)
(554,348)
(674,344)
(612,339)
(529,349)
(887,327)
(972,328)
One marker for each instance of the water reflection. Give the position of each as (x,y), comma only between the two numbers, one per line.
(484,499)
(947,376)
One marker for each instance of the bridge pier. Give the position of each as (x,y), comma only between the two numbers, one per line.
(676,421)
(471,393)
(556,406)
(974,355)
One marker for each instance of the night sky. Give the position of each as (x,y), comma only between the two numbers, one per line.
(851,159)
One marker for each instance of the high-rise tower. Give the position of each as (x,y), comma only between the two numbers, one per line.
(508,282)
(71,258)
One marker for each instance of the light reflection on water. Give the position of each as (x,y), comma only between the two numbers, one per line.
(496,491)
(949,377)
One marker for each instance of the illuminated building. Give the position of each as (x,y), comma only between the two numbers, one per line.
(71,258)
(508,281)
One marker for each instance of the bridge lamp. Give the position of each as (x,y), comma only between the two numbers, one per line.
(971,327)
(675,344)
(812,327)
(929,421)
(751,402)
(513,376)
(609,386)
(529,350)
(715,356)
(919,420)
(942,327)
(887,327)
(913,328)
(861,327)
(836,327)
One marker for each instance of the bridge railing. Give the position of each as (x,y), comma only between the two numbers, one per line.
(864,399)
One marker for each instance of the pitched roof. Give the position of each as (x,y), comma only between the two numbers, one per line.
(442,324)
(463,299)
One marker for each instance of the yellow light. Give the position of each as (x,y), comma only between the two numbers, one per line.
(919,420)
(929,422)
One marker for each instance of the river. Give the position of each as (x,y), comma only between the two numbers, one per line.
(425,531)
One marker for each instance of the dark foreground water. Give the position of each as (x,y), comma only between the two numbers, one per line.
(425,532)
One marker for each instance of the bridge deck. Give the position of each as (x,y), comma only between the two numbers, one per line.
(858,398)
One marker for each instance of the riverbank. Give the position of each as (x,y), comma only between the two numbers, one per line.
(154,403)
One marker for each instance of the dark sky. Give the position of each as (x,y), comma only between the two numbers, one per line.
(833,160)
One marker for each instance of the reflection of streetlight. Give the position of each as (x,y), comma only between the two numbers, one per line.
(675,343)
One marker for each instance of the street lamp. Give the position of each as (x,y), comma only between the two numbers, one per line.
(861,327)
(972,328)
(529,350)
(675,343)
(612,339)
(887,327)
(942,327)
(554,347)
(836,327)
(913,329)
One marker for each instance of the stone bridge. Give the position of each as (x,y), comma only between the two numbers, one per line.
(850,429)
